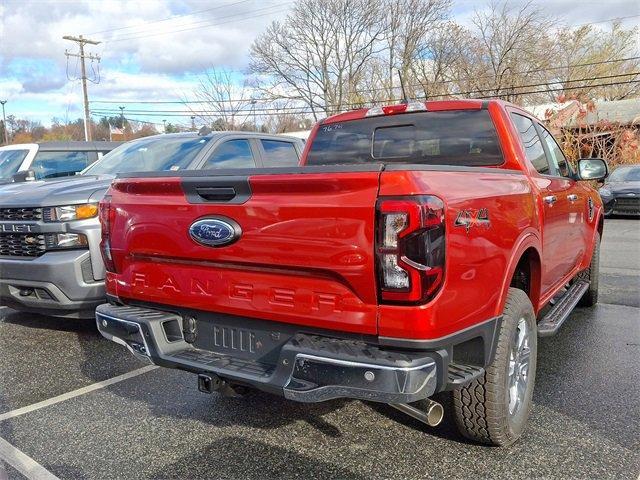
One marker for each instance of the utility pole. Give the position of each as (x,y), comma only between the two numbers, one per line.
(81,41)
(4,124)
(193,123)
(124,136)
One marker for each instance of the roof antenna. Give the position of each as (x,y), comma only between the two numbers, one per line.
(405,98)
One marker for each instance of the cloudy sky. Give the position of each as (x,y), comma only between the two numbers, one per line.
(154,49)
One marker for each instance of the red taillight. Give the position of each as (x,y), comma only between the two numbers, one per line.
(106,214)
(410,248)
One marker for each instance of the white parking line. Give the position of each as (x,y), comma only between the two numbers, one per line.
(26,465)
(75,393)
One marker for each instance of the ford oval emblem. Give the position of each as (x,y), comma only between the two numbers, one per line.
(215,231)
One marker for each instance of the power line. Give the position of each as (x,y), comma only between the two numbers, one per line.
(173,17)
(134,35)
(238,100)
(199,23)
(306,110)
(605,21)
(511,89)
(530,92)
(269,11)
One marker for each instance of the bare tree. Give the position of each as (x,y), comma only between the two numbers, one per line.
(329,56)
(435,71)
(590,53)
(511,49)
(220,97)
(407,24)
(285,117)
(319,54)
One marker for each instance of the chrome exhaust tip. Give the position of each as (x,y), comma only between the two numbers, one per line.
(431,415)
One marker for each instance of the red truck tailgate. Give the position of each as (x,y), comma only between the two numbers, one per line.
(305,254)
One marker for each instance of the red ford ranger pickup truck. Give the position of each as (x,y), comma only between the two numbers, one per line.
(420,248)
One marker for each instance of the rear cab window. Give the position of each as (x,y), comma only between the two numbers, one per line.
(278,153)
(458,138)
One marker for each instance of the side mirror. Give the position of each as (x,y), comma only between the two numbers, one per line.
(24,176)
(592,169)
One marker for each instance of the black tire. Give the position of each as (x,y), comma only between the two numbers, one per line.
(482,408)
(591,275)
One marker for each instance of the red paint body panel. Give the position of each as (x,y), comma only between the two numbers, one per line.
(476,259)
(306,254)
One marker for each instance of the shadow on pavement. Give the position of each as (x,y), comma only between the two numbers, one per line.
(43,322)
(248,459)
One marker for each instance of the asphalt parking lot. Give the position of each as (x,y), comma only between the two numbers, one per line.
(73,405)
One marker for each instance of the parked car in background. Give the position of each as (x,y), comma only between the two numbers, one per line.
(50,261)
(414,252)
(50,159)
(621,192)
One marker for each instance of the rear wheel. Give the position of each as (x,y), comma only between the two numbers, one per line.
(591,274)
(494,408)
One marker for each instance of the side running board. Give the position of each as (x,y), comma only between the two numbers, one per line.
(553,320)
(459,374)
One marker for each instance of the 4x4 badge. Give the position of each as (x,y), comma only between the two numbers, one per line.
(472,218)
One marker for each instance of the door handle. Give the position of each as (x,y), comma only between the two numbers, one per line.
(550,199)
(213,194)
(572,198)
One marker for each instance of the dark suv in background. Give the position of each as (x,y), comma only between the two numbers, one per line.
(621,192)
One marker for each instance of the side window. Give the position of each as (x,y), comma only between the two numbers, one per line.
(280,154)
(531,142)
(231,154)
(59,164)
(557,157)
(10,161)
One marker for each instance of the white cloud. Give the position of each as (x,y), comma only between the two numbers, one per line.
(142,58)
(130,29)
